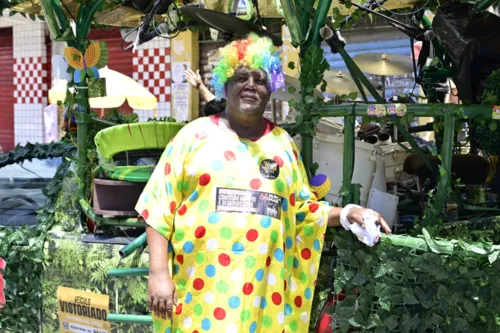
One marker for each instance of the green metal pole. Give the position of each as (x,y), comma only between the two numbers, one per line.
(130,319)
(348,162)
(82,120)
(319,20)
(134,245)
(119,272)
(446,155)
(306,151)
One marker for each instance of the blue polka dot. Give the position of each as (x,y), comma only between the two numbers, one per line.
(290,158)
(169,150)
(284,205)
(301,216)
(189,298)
(289,242)
(308,293)
(217,165)
(210,270)
(206,324)
(188,247)
(169,188)
(238,248)
(288,309)
(304,195)
(176,269)
(234,302)
(259,275)
(279,255)
(253,327)
(214,218)
(263,303)
(243,147)
(265,222)
(296,262)
(193,196)
(191,148)
(168,330)
(317,245)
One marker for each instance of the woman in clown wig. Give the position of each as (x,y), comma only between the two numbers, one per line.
(231,197)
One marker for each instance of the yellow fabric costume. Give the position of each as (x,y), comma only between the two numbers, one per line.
(246,230)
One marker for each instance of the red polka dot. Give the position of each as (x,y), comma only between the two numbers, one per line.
(219,314)
(195,331)
(229,155)
(167,169)
(296,155)
(204,179)
(276,298)
(306,254)
(278,160)
(255,183)
(180,258)
(268,261)
(298,301)
(145,214)
(292,199)
(178,309)
(224,259)
(200,232)
(247,288)
(313,207)
(252,235)
(200,135)
(173,206)
(182,210)
(198,284)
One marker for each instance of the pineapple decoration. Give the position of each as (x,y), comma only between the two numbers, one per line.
(96,56)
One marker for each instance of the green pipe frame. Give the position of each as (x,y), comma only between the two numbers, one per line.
(134,245)
(130,319)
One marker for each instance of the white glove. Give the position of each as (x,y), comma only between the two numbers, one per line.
(371,234)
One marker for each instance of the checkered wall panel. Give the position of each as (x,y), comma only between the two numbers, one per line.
(152,70)
(31,80)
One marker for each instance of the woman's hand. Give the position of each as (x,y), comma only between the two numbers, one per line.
(162,295)
(355,215)
(193,78)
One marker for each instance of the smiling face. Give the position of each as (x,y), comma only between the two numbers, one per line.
(247,94)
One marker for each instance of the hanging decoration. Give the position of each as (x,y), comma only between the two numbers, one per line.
(96,56)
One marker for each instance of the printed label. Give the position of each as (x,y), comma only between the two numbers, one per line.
(245,201)
(496,112)
(269,169)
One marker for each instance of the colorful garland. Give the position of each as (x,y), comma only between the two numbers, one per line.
(254,52)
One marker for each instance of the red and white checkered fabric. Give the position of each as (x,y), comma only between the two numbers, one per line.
(31,80)
(152,70)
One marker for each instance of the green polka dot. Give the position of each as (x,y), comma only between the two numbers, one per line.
(179,235)
(181,284)
(282,273)
(222,287)
(200,257)
(250,262)
(182,186)
(287,223)
(279,185)
(226,233)
(203,206)
(303,277)
(178,330)
(308,230)
(294,176)
(289,261)
(267,321)
(274,236)
(163,229)
(198,309)
(157,325)
(245,315)
(294,326)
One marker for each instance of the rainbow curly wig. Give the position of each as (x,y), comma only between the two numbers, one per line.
(254,52)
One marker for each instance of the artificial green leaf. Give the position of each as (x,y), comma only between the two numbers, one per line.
(493,126)
(391,323)
(309,99)
(435,127)
(298,119)
(470,308)
(291,65)
(292,90)
(352,95)
(82,75)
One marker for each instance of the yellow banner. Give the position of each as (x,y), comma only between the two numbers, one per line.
(82,311)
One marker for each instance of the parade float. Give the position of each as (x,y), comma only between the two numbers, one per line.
(439,272)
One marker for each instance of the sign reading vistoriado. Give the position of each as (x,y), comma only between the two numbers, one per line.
(82,311)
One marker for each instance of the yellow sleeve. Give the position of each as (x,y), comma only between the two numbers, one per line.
(162,195)
(311,220)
